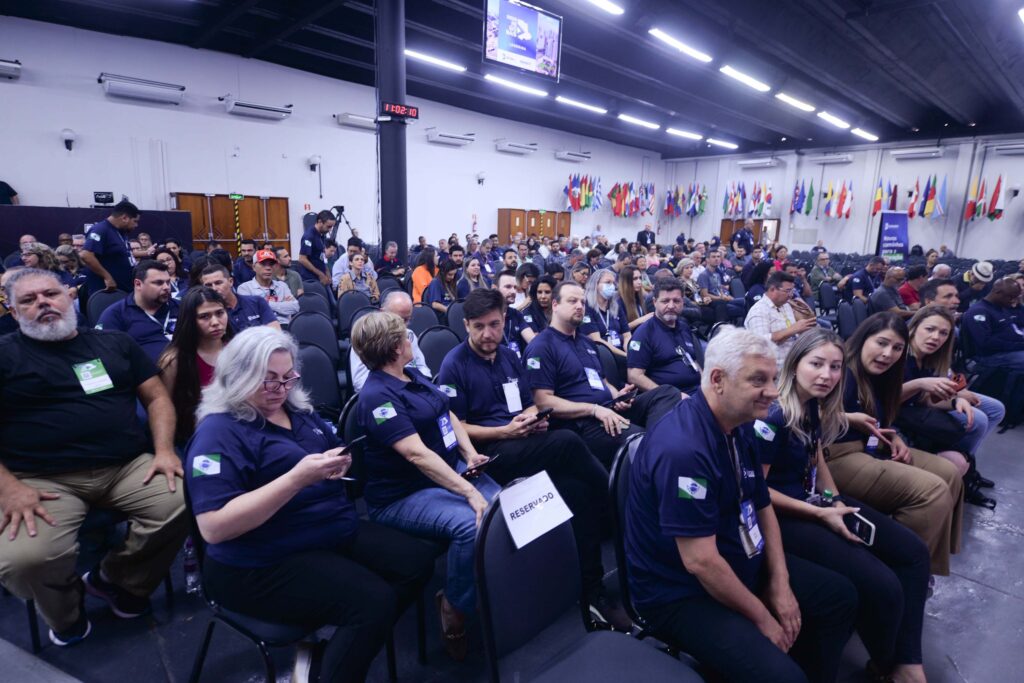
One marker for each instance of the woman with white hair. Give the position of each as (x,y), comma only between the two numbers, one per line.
(284,542)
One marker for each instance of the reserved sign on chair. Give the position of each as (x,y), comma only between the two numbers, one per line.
(532,508)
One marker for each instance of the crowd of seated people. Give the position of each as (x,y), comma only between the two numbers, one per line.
(758,444)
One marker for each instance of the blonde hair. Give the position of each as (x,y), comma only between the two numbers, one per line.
(832,417)
(376,338)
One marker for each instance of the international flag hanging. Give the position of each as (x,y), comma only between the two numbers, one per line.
(940,200)
(669,204)
(892,197)
(849,202)
(796,198)
(768,200)
(800,200)
(924,197)
(841,202)
(810,200)
(598,197)
(914,196)
(995,210)
(876,205)
(929,200)
(702,201)
(828,200)
(979,207)
(972,201)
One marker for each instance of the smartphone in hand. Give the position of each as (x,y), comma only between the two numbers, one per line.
(543,414)
(479,469)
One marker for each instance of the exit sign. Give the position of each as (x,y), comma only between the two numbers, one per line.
(236,197)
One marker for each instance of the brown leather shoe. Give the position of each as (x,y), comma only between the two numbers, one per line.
(453,628)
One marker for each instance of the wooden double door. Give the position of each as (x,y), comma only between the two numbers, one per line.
(264,219)
(532,222)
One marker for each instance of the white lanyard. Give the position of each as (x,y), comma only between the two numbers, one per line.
(167,319)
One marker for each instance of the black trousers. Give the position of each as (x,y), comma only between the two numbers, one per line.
(647,408)
(891,578)
(579,478)
(361,587)
(731,645)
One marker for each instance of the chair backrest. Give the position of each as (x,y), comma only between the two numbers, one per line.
(310,301)
(349,430)
(618,492)
(846,319)
(386,284)
(736,287)
(423,318)
(320,379)
(316,287)
(610,366)
(828,298)
(456,316)
(860,310)
(523,590)
(349,303)
(314,328)
(361,312)
(435,344)
(101,301)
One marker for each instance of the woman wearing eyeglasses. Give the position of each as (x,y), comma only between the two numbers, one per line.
(284,542)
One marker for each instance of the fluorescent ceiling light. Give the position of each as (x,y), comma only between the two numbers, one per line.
(609,7)
(744,79)
(451,66)
(794,102)
(516,86)
(638,122)
(723,143)
(1020,13)
(581,105)
(684,134)
(834,120)
(680,45)
(864,134)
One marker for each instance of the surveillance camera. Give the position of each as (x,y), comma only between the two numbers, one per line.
(480,177)
(68,136)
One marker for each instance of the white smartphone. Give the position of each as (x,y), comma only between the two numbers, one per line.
(860,527)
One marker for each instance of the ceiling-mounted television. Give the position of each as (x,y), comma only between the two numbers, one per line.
(523,37)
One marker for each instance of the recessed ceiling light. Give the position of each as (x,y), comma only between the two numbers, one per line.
(794,102)
(723,143)
(834,120)
(972,124)
(609,7)
(684,134)
(680,45)
(638,122)
(743,78)
(782,139)
(516,86)
(864,134)
(915,129)
(1020,13)
(581,105)
(435,61)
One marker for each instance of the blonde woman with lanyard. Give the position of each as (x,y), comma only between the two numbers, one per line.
(890,574)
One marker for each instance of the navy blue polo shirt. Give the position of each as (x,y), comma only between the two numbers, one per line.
(110,246)
(250,311)
(512,337)
(312,247)
(475,385)
(533,315)
(559,362)
(782,451)
(151,332)
(853,404)
(243,272)
(227,458)
(388,410)
(664,353)
(603,322)
(436,293)
(684,485)
(860,280)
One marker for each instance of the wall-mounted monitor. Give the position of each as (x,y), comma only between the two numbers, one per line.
(523,37)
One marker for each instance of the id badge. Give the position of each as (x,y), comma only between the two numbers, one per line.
(614,339)
(93,376)
(513,400)
(750,533)
(691,361)
(594,378)
(514,346)
(447,432)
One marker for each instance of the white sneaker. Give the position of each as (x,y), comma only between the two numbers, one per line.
(303,662)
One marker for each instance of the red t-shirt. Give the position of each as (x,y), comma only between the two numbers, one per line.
(909,294)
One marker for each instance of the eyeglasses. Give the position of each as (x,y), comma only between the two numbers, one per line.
(275,384)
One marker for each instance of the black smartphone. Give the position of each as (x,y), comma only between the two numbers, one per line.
(473,471)
(544,414)
(628,396)
(348,447)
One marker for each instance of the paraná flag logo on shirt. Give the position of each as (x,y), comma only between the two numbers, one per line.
(764,430)
(634,346)
(206,465)
(450,390)
(384,413)
(692,488)
(533,363)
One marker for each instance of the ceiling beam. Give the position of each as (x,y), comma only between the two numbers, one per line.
(318,10)
(240,8)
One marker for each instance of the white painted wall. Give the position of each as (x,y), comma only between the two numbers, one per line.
(147,151)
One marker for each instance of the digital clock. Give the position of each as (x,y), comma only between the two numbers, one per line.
(403,111)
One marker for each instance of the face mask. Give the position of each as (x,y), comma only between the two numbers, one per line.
(608,290)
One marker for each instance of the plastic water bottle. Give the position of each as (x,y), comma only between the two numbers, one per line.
(191,568)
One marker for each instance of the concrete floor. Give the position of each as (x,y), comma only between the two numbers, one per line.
(974,629)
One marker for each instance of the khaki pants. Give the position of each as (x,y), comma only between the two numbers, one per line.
(926,497)
(43,568)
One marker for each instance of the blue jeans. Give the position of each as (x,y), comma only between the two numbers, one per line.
(987,416)
(439,514)
(1011,360)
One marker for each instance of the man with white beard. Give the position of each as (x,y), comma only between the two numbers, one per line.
(71,440)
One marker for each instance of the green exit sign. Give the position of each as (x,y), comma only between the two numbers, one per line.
(236,197)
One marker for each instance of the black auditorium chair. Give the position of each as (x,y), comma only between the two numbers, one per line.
(386,283)
(361,312)
(736,288)
(316,287)
(456,321)
(319,378)
(525,590)
(310,301)
(311,328)
(846,319)
(349,303)
(101,301)
(610,366)
(423,318)
(435,344)
(860,310)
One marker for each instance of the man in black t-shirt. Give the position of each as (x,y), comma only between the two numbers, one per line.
(71,440)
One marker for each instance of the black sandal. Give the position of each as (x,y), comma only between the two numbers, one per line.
(455,642)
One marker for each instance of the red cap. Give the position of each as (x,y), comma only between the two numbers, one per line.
(264,255)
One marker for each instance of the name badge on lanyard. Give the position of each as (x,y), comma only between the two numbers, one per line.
(749,531)
(513,401)
(93,376)
(447,431)
(594,378)
(614,339)
(689,359)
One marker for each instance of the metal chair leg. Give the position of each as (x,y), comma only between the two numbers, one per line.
(33,626)
(197,667)
(421,629)
(268,662)
(389,651)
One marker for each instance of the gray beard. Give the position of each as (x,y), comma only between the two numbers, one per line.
(58,330)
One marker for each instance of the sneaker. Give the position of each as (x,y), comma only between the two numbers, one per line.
(72,635)
(608,612)
(122,603)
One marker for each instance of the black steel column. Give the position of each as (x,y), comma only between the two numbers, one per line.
(391,88)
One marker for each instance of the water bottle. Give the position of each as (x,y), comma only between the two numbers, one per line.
(191,568)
